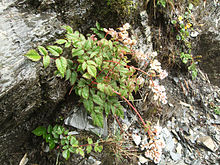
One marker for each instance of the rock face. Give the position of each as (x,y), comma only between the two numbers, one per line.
(208,45)
(24,89)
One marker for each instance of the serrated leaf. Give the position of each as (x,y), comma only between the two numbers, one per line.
(39,131)
(88,104)
(66,154)
(55,50)
(97,119)
(92,70)
(61,64)
(113,108)
(68,74)
(91,62)
(73,78)
(42,50)
(97,99)
(68,28)
(51,144)
(77,52)
(85,92)
(88,149)
(33,55)
(46,61)
(61,41)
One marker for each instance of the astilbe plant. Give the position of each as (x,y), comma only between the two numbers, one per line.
(99,72)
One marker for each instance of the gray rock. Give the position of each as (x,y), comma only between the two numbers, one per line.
(175,156)
(80,120)
(207,142)
(165,133)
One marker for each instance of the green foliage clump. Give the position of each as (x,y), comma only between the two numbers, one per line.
(183,24)
(97,70)
(58,136)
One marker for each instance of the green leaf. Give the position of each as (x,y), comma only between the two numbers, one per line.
(109,90)
(97,119)
(97,99)
(42,50)
(68,44)
(107,108)
(94,54)
(39,131)
(33,55)
(88,44)
(61,41)
(61,64)
(88,104)
(88,149)
(120,112)
(55,50)
(90,62)
(113,108)
(51,144)
(84,65)
(98,25)
(81,152)
(66,154)
(173,22)
(68,74)
(73,141)
(67,28)
(87,76)
(92,70)
(73,78)
(49,129)
(98,61)
(77,52)
(66,132)
(90,140)
(101,87)
(60,130)
(46,61)
(85,92)
(98,148)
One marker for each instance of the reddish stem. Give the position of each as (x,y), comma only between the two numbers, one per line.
(131,107)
